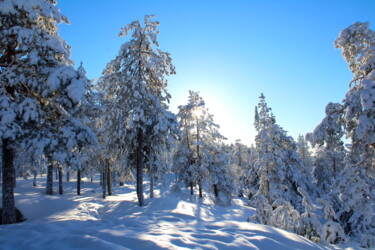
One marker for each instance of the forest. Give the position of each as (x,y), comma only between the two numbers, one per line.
(118,130)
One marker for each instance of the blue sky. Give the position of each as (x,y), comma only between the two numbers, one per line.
(231,51)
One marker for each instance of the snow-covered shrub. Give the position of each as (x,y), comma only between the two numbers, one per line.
(309,225)
(263,210)
(284,215)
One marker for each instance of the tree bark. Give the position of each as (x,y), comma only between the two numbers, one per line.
(61,191)
(56,174)
(216,191)
(49,187)
(35,175)
(109,179)
(151,184)
(200,190)
(9,210)
(139,163)
(104,183)
(78,182)
(191,188)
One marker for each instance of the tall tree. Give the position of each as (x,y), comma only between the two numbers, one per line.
(136,80)
(357,43)
(39,87)
(280,169)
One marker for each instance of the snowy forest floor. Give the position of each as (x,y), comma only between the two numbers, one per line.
(169,221)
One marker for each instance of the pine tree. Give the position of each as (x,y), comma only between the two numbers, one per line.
(39,88)
(137,99)
(279,167)
(327,138)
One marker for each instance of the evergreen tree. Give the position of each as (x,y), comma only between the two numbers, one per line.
(39,88)
(280,169)
(135,86)
(327,138)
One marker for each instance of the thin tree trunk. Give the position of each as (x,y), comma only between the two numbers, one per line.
(78,182)
(104,183)
(9,210)
(191,188)
(151,184)
(121,179)
(139,162)
(61,191)
(34,181)
(200,190)
(56,174)
(49,187)
(216,191)
(109,179)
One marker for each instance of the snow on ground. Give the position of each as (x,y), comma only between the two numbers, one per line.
(169,221)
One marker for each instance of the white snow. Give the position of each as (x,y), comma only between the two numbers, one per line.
(169,221)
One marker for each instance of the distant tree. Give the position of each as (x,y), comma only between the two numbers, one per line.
(327,138)
(198,144)
(138,121)
(39,88)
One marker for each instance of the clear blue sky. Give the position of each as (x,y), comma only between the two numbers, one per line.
(231,51)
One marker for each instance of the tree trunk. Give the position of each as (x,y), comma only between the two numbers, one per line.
(78,182)
(151,184)
(139,162)
(216,191)
(109,179)
(56,174)
(191,188)
(34,181)
(9,210)
(101,179)
(122,179)
(49,187)
(200,190)
(104,183)
(67,175)
(61,191)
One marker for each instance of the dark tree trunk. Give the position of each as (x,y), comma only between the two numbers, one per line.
(191,188)
(67,175)
(49,187)
(139,162)
(61,191)
(216,191)
(109,179)
(34,181)
(78,182)
(200,190)
(56,174)
(9,210)
(151,184)
(104,183)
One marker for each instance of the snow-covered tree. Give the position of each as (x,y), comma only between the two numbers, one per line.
(357,43)
(135,86)
(327,139)
(309,225)
(222,177)
(332,230)
(279,167)
(39,87)
(199,142)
